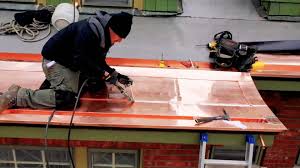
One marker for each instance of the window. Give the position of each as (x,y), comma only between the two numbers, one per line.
(234,153)
(113,158)
(228,153)
(25,157)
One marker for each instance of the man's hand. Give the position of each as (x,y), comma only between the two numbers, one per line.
(123,79)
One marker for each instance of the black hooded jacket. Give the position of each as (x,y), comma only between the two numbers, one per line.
(78,48)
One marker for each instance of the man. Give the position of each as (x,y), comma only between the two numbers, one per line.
(77,50)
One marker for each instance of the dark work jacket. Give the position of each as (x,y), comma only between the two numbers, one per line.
(78,48)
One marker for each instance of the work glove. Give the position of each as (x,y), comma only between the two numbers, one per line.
(123,79)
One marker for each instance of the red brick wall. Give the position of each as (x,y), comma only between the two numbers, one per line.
(155,155)
(180,157)
(286,106)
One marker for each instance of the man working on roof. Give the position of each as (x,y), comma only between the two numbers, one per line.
(77,50)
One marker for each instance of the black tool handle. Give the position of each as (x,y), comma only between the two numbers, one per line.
(205,120)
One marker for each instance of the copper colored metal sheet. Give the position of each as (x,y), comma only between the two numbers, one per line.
(283,66)
(164,99)
(277,59)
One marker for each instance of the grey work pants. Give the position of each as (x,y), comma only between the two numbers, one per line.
(60,78)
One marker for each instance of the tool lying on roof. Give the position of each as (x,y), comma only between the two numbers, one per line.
(227,53)
(202,120)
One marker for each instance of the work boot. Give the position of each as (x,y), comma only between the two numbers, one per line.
(9,98)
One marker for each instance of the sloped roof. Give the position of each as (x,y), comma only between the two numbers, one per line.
(164,99)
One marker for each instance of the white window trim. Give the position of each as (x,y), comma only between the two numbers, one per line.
(113,151)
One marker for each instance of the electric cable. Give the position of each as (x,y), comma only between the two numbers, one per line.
(201,45)
(46,137)
(71,122)
(74,3)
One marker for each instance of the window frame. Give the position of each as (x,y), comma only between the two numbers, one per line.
(258,152)
(112,151)
(40,149)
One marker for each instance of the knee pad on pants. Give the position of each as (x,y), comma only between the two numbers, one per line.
(45,85)
(65,99)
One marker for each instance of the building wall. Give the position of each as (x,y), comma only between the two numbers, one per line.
(180,156)
(285,150)
(153,155)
